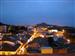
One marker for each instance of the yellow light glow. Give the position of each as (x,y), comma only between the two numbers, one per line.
(68,41)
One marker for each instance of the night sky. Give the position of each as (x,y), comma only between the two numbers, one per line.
(21,12)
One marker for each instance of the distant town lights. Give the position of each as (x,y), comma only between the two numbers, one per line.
(68,41)
(53,30)
(42,36)
(63,30)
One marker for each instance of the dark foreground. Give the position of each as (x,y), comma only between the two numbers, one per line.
(70,54)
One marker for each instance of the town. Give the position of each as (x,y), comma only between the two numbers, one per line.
(39,38)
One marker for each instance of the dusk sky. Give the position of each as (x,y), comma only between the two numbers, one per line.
(21,12)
